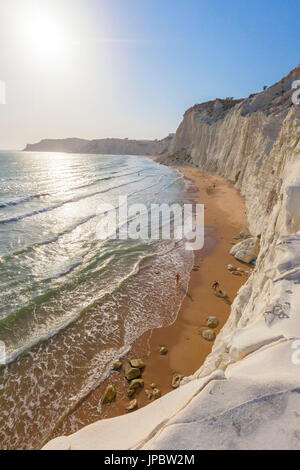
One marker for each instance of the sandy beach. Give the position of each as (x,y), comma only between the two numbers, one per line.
(224,219)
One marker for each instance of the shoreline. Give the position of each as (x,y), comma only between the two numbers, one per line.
(187,350)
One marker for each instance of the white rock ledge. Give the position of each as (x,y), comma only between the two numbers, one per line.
(135,429)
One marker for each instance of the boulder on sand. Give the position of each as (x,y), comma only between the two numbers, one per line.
(230,267)
(209,335)
(212,322)
(130,392)
(136,383)
(156,393)
(117,365)
(247,250)
(131,372)
(163,350)
(221,294)
(133,405)
(109,395)
(137,363)
(177,378)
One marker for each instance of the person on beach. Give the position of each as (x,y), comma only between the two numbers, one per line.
(177,278)
(215,285)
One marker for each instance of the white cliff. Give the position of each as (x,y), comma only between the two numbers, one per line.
(247,393)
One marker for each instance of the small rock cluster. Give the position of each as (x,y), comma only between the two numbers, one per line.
(132,372)
(211,323)
(236,271)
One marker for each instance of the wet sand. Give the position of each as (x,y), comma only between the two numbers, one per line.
(225,218)
(225,215)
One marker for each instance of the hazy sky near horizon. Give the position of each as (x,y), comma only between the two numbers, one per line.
(130,68)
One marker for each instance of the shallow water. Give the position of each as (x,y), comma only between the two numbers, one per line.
(70,303)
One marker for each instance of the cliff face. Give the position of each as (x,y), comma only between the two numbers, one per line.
(102,146)
(250,143)
(256,144)
(247,393)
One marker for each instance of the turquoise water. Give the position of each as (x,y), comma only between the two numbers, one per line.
(70,303)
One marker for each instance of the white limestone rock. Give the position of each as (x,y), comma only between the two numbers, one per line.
(255,407)
(247,250)
(133,430)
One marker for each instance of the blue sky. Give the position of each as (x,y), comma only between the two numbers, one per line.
(132,67)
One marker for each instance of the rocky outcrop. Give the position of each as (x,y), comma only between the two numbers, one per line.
(247,250)
(102,146)
(247,393)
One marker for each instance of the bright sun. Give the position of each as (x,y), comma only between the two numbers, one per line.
(44,34)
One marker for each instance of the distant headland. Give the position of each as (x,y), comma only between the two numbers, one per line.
(102,146)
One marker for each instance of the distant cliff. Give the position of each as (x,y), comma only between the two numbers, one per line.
(102,146)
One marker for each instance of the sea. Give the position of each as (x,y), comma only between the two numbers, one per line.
(71,302)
